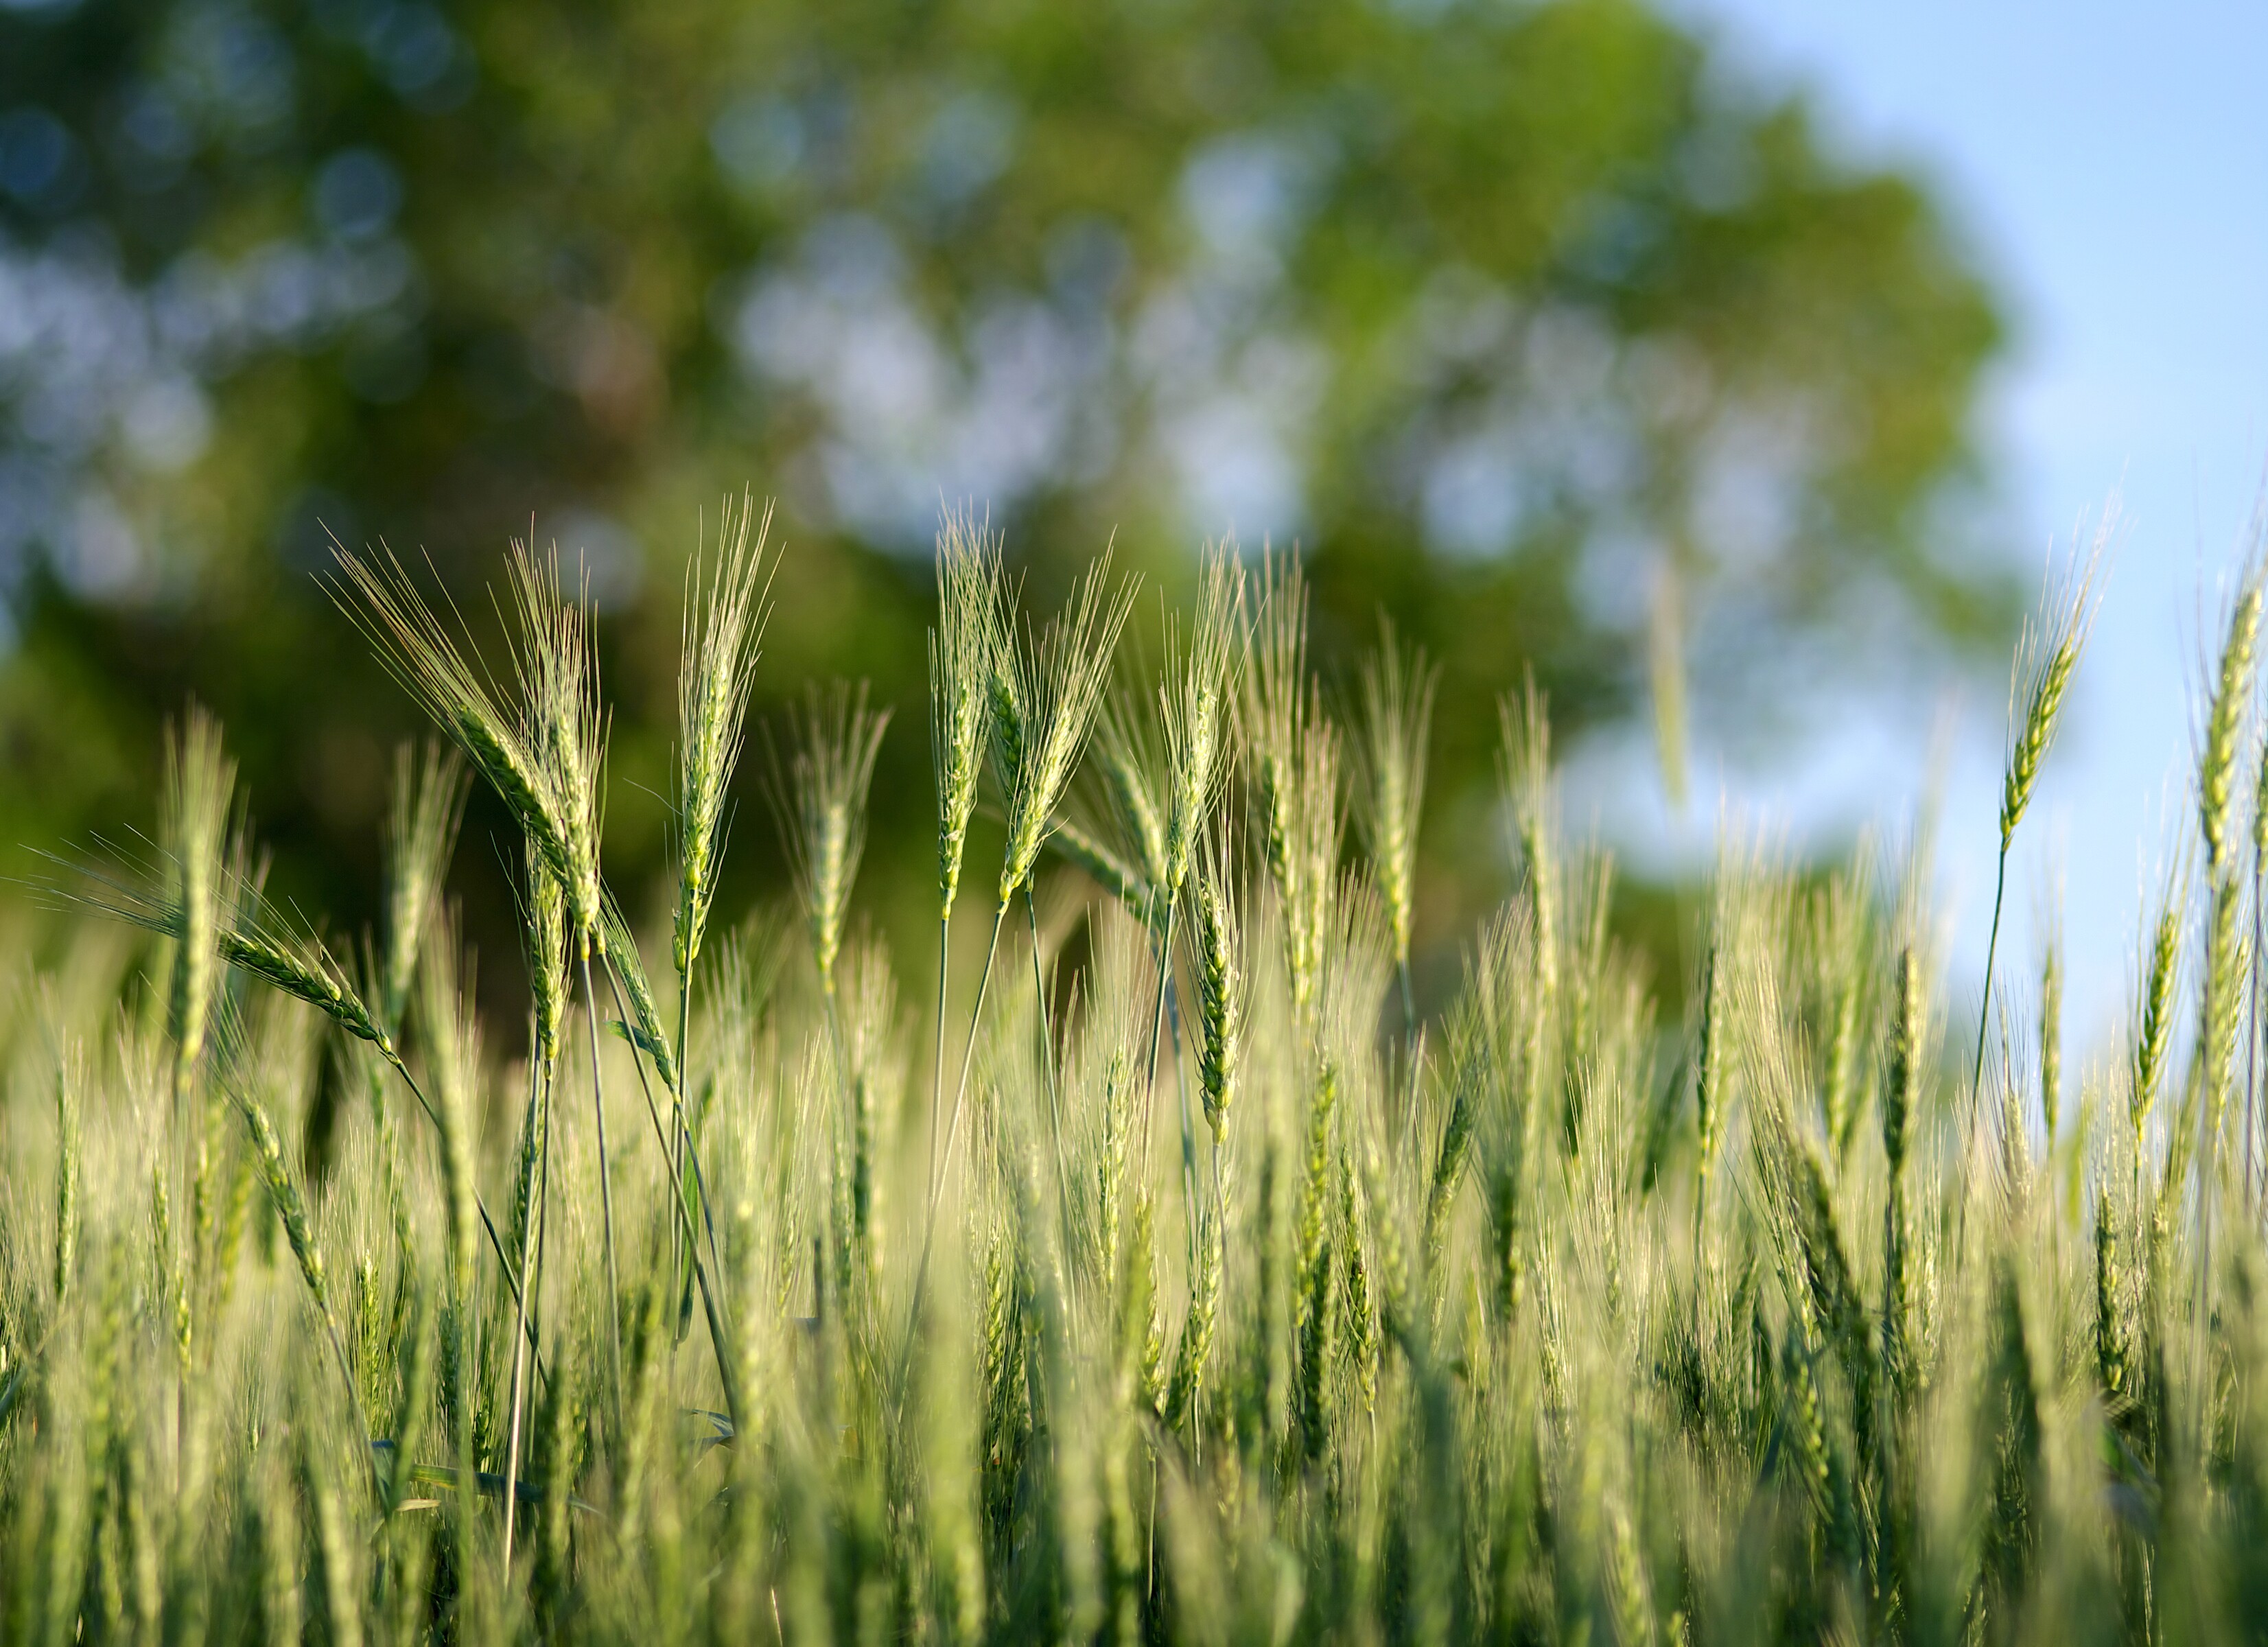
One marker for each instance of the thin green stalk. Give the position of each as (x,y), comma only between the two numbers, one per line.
(487,1225)
(537,1116)
(1181,1094)
(1047,1033)
(1409,1032)
(1157,1032)
(2252,1033)
(606,1198)
(953,1127)
(718,1339)
(678,1123)
(1984,1010)
(937,1067)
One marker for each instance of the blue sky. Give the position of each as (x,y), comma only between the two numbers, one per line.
(2109,164)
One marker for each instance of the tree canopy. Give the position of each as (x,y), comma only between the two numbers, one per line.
(1531,324)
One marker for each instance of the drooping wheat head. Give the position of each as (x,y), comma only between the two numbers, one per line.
(446,680)
(253,934)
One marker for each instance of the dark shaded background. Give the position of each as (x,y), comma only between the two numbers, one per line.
(1531,324)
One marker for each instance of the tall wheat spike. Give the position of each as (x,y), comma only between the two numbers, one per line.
(427,805)
(1397,700)
(2047,657)
(960,652)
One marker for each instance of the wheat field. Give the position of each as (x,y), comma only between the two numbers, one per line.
(1164,1275)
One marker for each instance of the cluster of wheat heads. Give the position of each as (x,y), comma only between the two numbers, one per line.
(1197,1289)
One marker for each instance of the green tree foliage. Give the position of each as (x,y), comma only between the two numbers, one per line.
(1532,327)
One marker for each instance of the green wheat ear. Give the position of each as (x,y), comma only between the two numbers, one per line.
(556,661)
(200,785)
(1396,714)
(2154,1026)
(1194,701)
(429,794)
(721,640)
(820,798)
(441,676)
(960,652)
(1133,771)
(2047,656)
(1220,986)
(1046,693)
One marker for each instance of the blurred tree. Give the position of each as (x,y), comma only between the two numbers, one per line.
(1538,329)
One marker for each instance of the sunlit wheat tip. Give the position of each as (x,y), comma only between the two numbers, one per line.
(546,938)
(1194,705)
(1046,694)
(721,637)
(821,799)
(425,659)
(200,785)
(1219,992)
(1396,704)
(2047,655)
(960,685)
(428,802)
(2230,703)
(2154,1034)
(567,722)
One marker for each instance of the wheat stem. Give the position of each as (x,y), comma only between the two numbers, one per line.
(606,1197)
(719,1338)
(937,1065)
(953,1129)
(1984,1007)
(538,1119)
